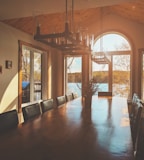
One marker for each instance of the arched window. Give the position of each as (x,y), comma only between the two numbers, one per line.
(111,63)
(111,42)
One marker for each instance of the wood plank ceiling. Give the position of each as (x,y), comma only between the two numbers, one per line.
(54,22)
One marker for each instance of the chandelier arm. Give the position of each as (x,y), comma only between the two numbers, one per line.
(66,11)
(73,27)
(53,35)
(48,43)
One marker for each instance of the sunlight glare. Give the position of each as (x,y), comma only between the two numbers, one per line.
(111,42)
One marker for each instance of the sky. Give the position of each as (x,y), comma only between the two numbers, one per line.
(110,42)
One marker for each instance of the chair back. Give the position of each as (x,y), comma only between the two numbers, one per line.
(136,123)
(60,100)
(8,120)
(75,95)
(134,108)
(69,97)
(46,105)
(31,111)
(139,143)
(104,93)
(135,100)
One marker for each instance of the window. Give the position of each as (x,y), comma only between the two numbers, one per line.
(31,74)
(121,75)
(73,74)
(113,75)
(33,80)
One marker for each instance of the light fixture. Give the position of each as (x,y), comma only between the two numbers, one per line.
(68,41)
(100,57)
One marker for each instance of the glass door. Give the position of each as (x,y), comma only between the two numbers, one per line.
(121,75)
(31,75)
(101,74)
(114,76)
(73,74)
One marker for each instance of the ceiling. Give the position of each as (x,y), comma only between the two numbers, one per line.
(19,8)
(50,14)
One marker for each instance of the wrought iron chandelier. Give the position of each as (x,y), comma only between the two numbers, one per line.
(68,41)
(100,57)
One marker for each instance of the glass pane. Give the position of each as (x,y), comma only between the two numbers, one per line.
(121,75)
(37,76)
(73,75)
(25,76)
(101,74)
(31,75)
(111,42)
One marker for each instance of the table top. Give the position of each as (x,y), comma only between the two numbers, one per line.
(73,132)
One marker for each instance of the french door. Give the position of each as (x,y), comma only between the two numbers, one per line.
(31,75)
(73,74)
(121,75)
(115,75)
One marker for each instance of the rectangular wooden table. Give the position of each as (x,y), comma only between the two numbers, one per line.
(73,132)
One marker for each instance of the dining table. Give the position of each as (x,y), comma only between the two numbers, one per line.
(73,131)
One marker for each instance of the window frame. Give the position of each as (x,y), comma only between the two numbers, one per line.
(65,70)
(20,45)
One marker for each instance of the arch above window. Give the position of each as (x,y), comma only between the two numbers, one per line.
(111,42)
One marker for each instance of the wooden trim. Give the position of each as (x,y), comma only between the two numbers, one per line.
(20,43)
(32,46)
(140,70)
(19,76)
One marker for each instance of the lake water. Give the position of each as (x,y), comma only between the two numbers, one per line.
(120,90)
(76,87)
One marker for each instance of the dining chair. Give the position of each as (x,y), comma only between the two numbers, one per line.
(135,99)
(139,144)
(31,111)
(101,93)
(134,108)
(8,120)
(69,97)
(135,128)
(75,95)
(60,100)
(47,105)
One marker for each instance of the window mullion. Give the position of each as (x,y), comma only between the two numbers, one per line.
(31,76)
